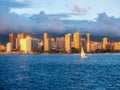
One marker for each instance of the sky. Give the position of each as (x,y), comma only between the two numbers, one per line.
(60,16)
(85,9)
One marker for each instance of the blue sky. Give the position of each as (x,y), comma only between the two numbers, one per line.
(101,17)
(86,9)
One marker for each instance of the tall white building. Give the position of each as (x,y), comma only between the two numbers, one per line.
(9,47)
(26,44)
(29,44)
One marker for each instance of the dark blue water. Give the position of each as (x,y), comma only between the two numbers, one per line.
(60,72)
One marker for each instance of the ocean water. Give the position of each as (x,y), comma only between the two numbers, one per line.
(60,72)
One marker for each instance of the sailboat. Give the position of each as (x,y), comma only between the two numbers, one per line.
(83,55)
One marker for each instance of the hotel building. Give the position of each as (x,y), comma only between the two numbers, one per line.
(88,42)
(68,43)
(12,40)
(77,41)
(46,42)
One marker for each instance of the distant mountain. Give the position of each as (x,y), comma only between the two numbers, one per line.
(3,39)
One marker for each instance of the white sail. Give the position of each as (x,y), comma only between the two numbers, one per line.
(83,55)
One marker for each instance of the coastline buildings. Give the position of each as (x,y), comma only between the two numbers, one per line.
(9,47)
(2,48)
(29,44)
(88,42)
(68,43)
(26,44)
(104,43)
(77,41)
(19,36)
(12,40)
(46,42)
(53,44)
(60,44)
(34,44)
(116,46)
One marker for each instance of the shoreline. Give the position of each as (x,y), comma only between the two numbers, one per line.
(19,53)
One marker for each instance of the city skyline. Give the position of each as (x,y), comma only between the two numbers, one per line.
(68,43)
(96,17)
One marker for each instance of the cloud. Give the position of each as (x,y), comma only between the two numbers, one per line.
(54,23)
(77,9)
(37,23)
(104,25)
(10,22)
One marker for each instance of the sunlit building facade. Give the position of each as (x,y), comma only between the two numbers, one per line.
(88,42)
(26,44)
(46,42)
(9,47)
(105,42)
(19,36)
(68,43)
(77,41)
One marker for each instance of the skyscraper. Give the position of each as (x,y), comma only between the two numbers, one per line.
(34,44)
(9,47)
(19,36)
(105,42)
(12,40)
(68,43)
(88,42)
(60,43)
(46,42)
(26,44)
(53,44)
(77,41)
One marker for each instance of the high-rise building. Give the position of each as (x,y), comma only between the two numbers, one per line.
(105,42)
(68,43)
(9,47)
(34,44)
(118,45)
(115,46)
(88,42)
(46,42)
(52,44)
(12,40)
(19,36)
(95,45)
(40,45)
(60,43)
(77,41)
(26,44)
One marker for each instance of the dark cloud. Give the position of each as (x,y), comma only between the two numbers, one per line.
(103,25)
(10,22)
